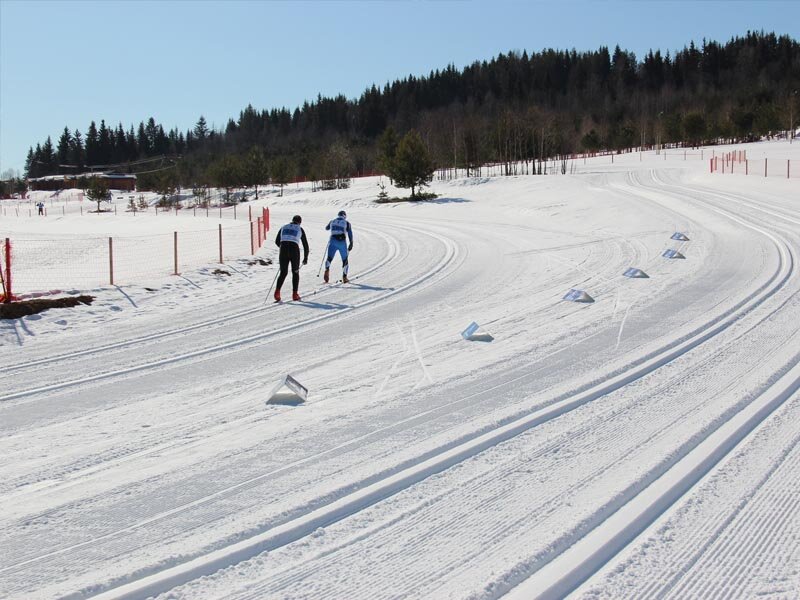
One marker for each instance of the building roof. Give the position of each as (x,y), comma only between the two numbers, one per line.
(78,176)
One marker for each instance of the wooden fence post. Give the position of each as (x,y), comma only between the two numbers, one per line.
(220,243)
(252,246)
(111,261)
(175,250)
(765,167)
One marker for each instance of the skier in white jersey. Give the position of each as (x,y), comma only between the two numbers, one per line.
(288,240)
(341,232)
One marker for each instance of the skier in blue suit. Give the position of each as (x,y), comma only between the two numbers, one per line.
(341,232)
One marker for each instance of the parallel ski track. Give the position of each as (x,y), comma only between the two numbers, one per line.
(258,307)
(435,510)
(473,488)
(565,572)
(451,253)
(767,496)
(468,447)
(552,294)
(71,477)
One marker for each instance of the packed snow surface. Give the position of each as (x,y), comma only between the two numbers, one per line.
(641,445)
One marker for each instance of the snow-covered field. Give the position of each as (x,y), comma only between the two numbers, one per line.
(641,445)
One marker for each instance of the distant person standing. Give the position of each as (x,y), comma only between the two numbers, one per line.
(341,233)
(40,206)
(288,240)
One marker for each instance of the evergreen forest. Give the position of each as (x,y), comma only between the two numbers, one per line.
(514,107)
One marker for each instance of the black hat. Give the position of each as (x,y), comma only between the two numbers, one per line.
(297,219)
(342,213)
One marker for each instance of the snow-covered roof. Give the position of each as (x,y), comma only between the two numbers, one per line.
(78,176)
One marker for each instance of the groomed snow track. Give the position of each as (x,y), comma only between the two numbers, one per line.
(431,467)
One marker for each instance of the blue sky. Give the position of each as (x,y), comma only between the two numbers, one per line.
(66,63)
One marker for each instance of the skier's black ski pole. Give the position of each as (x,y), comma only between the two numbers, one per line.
(274,279)
(324,256)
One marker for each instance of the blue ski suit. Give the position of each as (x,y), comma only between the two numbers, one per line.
(340,232)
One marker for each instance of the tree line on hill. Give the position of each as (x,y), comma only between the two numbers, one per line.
(515,107)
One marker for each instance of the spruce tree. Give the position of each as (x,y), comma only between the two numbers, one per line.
(142,143)
(104,145)
(120,153)
(412,165)
(92,145)
(62,150)
(76,151)
(201,129)
(132,152)
(29,164)
(48,158)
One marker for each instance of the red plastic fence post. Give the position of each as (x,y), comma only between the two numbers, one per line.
(7,278)
(111,261)
(220,243)
(175,250)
